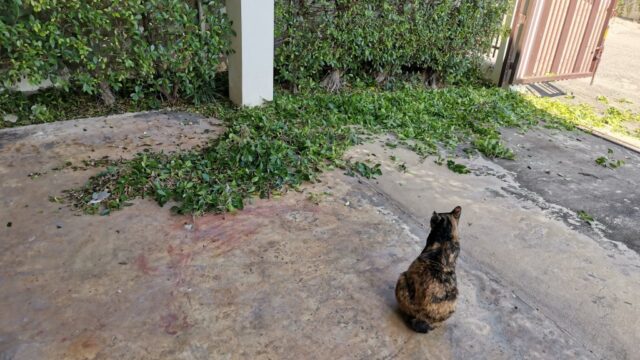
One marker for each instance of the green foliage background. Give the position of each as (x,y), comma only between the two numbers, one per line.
(387,37)
(167,50)
(133,47)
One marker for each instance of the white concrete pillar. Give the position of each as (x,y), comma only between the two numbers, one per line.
(251,64)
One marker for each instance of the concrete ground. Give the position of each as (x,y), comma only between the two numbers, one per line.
(560,167)
(287,278)
(618,75)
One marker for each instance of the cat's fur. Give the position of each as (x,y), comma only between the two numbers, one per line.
(427,292)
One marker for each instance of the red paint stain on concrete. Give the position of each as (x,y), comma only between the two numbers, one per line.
(142,264)
(173,324)
(226,232)
(178,257)
(84,347)
(217,234)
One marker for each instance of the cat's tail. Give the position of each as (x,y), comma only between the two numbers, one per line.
(405,295)
(420,326)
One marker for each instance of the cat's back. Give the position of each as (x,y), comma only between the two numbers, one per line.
(428,270)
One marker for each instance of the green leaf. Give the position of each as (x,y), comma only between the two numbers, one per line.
(584,216)
(457,168)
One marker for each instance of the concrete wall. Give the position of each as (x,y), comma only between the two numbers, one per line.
(629,9)
(251,63)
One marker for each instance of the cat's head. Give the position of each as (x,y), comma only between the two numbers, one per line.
(446,224)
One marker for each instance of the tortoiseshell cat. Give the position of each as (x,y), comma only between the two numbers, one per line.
(427,292)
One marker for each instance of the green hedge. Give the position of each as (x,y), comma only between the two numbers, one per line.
(384,37)
(165,48)
(170,49)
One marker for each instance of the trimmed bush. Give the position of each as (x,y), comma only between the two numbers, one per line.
(170,49)
(165,48)
(443,39)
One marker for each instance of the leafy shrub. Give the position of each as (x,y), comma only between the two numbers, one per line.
(133,47)
(446,39)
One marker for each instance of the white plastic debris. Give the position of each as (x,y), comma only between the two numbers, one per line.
(98,197)
(10,118)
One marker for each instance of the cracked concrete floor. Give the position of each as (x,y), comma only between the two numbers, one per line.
(287,278)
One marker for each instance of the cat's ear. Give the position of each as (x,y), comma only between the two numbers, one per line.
(435,219)
(456,212)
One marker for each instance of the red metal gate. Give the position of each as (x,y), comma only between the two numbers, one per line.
(555,40)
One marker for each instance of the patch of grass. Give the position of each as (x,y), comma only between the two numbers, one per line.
(571,115)
(603,99)
(268,150)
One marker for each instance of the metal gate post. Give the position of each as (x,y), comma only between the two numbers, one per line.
(603,35)
(513,51)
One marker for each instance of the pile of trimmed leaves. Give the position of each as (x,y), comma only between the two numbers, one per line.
(291,140)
